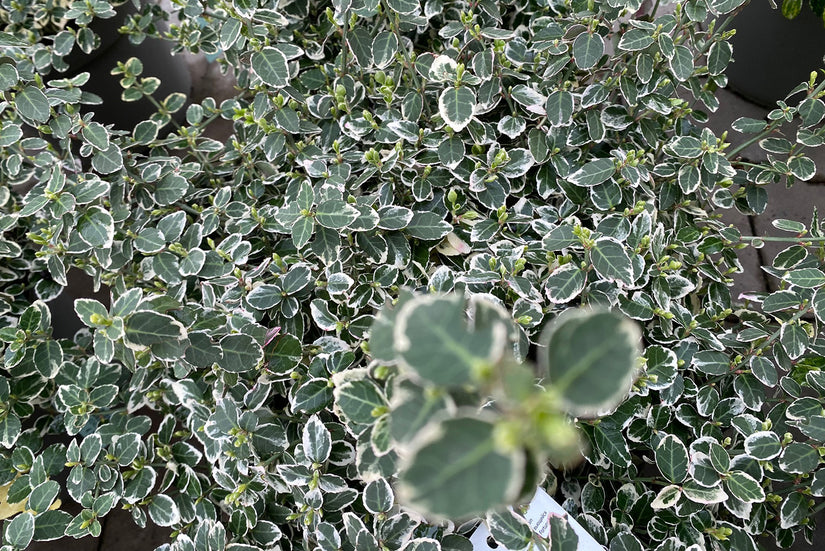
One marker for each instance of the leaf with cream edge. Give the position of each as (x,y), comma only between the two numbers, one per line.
(462,352)
(440,475)
(590,358)
(455,104)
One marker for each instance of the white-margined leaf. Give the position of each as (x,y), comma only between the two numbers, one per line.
(456,104)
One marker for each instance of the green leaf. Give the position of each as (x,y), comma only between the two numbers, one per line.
(562,536)
(384,48)
(230,32)
(559,108)
(359,400)
(316,440)
(593,173)
(451,152)
(635,39)
(625,541)
(404,7)
(47,358)
(312,396)
(588,48)
(146,328)
(764,370)
(794,340)
(108,161)
(31,103)
(271,66)
(285,355)
(433,341)
(687,147)
(590,359)
(442,473)
(19,531)
(335,214)
(744,487)
(703,495)
(667,497)
(43,496)
(10,133)
(681,64)
(394,217)
(689,178)
(163,511)
(780,300)
(747,125)
(145,132)
(559,238)
(8,72)
(378,496)
(297,279)
(96,135)
(455,104)
(791,8)
(509,530)
(241,353)
(413,408)
(814,428)
(96,227)
(763,445)
(10,40)
(611,261)
(150,241)
(302,231)
(811,111)
(672,458)
(265,296)
(10,427)
(428,226)
(51,525)
(794,510)
(719,56)
(711,362)
(86,308)
(799,458)
(360,42)
(565,283)
(140,485)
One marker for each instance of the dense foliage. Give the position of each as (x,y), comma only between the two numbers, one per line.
(535,157)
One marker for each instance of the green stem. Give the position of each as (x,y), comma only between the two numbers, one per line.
(408,64)
(204,163)
(775,335)
(799,240)
(817,509)
(344,45)
(764,134)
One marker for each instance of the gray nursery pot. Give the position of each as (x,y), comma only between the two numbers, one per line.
(156,57)
(158,61)
(773,54)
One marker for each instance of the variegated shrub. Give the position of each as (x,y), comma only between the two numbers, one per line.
(477,168)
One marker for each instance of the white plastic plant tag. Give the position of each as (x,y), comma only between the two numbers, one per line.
(541,506)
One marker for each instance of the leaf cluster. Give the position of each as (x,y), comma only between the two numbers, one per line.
(534,157)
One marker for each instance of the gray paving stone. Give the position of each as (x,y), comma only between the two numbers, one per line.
(732,106)
(797,204)
(67,544)
(122,534)
(751,279)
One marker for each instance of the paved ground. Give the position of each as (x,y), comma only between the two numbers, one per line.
(796,203)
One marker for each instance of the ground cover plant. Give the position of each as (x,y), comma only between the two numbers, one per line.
(421,206)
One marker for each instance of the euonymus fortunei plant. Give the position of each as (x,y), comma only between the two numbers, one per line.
(260,378)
